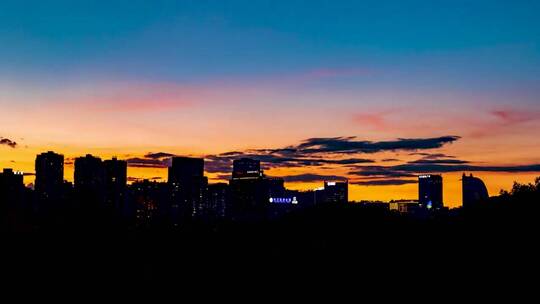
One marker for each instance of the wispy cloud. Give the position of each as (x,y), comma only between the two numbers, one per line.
(132,97)
(412,169)
(512,116)
(139,162)
(350,145)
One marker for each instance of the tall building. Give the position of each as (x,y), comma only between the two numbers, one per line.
(49,181)
(246,168)
(249,190)
(188,184)
(89,179)
(474,190)
(11,186)
(148,202)
(217,200)
(336,192)
(430,191)
(115,179)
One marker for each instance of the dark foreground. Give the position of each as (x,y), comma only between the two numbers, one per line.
(496,242)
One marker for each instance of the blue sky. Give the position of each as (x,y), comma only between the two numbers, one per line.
(192,40)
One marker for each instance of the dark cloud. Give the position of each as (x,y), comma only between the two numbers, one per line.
(413,169)
(8,142)
(437,158)
(312,178)
(385,182)
(313,152)
(442,168)
(431,155)
(349,145)
(439,161)
(273,158)
(139,162)
(390,160)
(151,160)
(158,155)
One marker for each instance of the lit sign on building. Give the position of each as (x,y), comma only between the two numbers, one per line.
(283,200)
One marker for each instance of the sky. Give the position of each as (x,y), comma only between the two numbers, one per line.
(376,92)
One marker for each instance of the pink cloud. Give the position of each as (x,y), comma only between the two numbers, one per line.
(374,120)
(130,98)
(511,116)
(499,120)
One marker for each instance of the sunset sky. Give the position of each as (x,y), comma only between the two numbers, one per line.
(373,91)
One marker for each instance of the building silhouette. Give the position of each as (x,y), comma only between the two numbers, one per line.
(115,182)
(188,185)
(148,203)
(430,191)
(49,181)
(246,168)
(336,192)
(11,186)
(474,190)
(249,191)
(217,201)
(89,180)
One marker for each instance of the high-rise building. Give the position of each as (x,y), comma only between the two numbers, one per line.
(474,190)
(249,190)
(188,185)
(336,192)
(11,186)
(246,168)
(115,179)
(148,203)
(49,181)
(217,200)
(89,179)
(430,191)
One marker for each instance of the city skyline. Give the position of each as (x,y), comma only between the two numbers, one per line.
(377,93)
(113,172)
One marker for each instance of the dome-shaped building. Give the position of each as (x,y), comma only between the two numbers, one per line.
(474,190)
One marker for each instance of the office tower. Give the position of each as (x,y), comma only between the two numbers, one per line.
(430,191)
(474,191)
(49,181)
(89,179)
(217,200)
(249,190)
(336,192)
(11,187)
(115,177)
(188,185)
(246,168)
(148,202)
